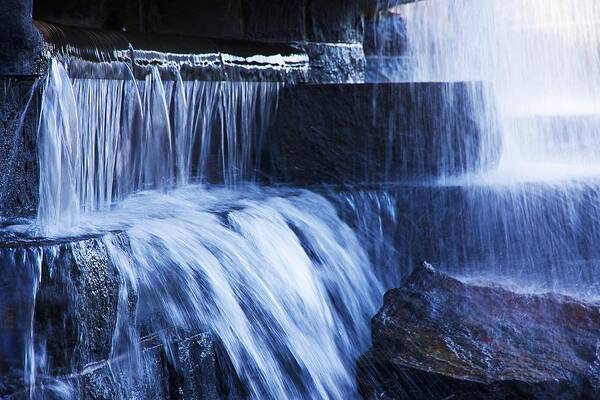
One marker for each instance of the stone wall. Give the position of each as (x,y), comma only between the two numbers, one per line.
(270,20)
(373,133)
(330,31)
(18,161)
(20,43)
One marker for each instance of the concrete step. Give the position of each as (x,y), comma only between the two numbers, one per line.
(374,133)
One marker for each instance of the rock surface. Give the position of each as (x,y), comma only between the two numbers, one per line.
(21,44)
(439,338)
(18,138)
(333,21)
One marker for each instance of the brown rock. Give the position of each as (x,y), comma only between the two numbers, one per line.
(440,338)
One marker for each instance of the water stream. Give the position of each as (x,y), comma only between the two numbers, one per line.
(531,219)
(160,175)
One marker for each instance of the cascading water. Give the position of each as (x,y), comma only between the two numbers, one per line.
(149,134)
(531,219)
(274,274)
(541,59)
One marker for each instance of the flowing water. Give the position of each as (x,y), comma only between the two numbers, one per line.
(145,134)
(542,60)
(531,219)
(155,176)
(275,274)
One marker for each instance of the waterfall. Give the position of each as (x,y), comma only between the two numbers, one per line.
(529,220)
(148,134)
(275,277)
(155,177)
(274,274)
(540,58)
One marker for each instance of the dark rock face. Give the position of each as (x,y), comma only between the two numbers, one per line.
(335,21)
(368,133)
(63,305)
(76,305)
(21,43)
(439,338)
(18,138)
(331,63)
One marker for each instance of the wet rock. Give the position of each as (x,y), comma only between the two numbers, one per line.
(203,370)
(76,305)
(61,305)
(334,21)
(61,300)
(334,63)
(18,138)
(440,338)
(21,44)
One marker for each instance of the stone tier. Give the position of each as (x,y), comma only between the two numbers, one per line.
(377,133)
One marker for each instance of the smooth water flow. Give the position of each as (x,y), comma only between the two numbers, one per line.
(103,139)
(540,57)
(274,275)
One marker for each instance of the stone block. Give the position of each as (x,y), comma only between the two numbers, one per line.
(375,133)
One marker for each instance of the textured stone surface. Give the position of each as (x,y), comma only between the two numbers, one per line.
(21,44)
(18,160)
(336,134)
(334,63)
(437,338)
(76,306)
(338,21)
(63,306)
(203,370)
(296,20)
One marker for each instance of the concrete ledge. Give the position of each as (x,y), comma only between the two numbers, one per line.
(197,58)
(374,133)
